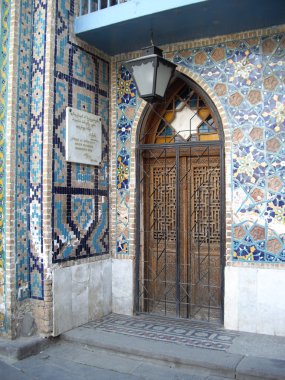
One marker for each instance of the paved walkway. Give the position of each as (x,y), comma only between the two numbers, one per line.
(72,361)
(143,347)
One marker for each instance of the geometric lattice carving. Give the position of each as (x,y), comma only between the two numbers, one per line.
(206,196)
(195,214)
(164,205)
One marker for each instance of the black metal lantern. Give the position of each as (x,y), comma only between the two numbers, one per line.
(151,73)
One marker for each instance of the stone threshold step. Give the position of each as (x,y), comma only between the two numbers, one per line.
(216,362)
(22,348)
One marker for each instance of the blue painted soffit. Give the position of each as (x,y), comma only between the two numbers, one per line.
(128,26)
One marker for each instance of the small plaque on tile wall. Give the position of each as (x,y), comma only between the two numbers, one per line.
(83,137)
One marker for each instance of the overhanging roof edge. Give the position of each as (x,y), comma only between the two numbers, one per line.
(121,12)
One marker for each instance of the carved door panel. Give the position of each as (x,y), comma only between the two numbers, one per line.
(161,242)
(182,201)
(204,238)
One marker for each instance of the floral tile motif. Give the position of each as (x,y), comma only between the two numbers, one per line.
(249,78)
(249,165)
(126,94)
(124,129)
(253,96)
(127,104)
(123,169)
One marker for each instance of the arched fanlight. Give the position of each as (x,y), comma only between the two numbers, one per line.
(151,73)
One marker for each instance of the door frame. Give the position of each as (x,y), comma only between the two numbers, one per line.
(139,160)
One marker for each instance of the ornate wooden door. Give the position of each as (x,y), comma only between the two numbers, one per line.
(181,235)
(180,199)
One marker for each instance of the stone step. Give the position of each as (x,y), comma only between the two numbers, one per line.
(24,347)
(213,362)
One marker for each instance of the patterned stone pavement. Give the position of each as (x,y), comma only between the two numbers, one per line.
(189,333)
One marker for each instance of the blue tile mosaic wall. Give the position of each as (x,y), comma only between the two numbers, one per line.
(127,106)
(80,192)
(22,152)
(4,70)
(36,138)
(29,153)
(249,78)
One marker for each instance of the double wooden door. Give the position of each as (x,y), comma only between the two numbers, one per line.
(180,234)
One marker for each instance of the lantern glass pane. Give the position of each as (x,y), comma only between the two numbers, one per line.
(143,75)
(163,76)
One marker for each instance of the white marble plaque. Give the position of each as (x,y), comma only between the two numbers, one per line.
(83,137)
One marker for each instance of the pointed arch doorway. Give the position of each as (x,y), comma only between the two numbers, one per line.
(180,206)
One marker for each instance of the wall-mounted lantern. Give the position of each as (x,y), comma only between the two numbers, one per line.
(151,73)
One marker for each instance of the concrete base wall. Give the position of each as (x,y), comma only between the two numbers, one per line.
(254,297)
(123,286)
(81,294)
(254,300)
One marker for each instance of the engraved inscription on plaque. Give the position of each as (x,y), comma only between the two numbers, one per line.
(83,137)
